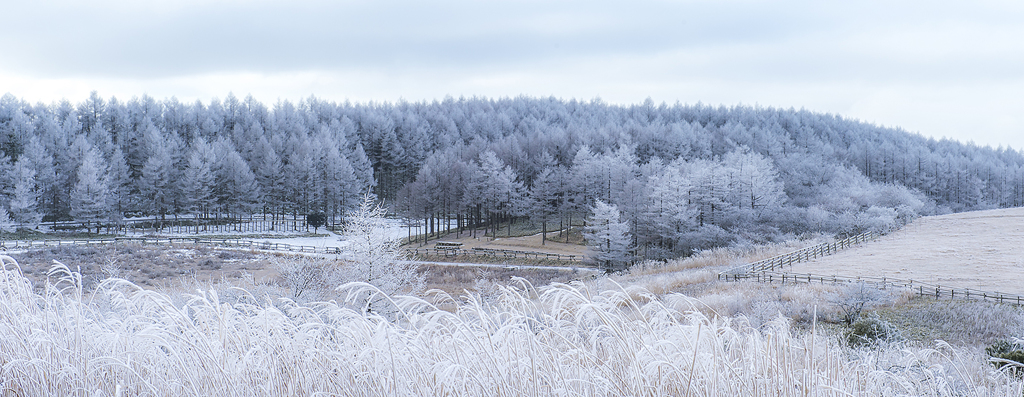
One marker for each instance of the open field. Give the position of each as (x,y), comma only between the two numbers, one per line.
(982,250)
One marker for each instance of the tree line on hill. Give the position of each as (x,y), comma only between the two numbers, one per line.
(682,177)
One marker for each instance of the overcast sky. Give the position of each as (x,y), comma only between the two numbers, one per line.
(942,69)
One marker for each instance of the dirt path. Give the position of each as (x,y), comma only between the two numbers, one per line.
(981,249)
(525,243)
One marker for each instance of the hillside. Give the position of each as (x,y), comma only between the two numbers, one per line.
(979,249)
(685,178)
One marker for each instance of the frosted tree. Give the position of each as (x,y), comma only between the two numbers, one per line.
(36,174)
(499,189)
(607,237)
(198,178)
(755,185)
(236,189)
(338,187)
(25,203)
(300,173)
(119,180)
(90,196)
(6,223)
(546,198)
(159,178)
(374,257)
(267,166)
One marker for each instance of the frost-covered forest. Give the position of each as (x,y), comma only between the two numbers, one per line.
(683,177)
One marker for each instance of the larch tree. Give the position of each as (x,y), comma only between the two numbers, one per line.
(90,201)
(25,203)
(499,189)
(7,224)
(159,179)
(546,198)
(755,186)
(607,237)
(197,181)
(236,189)
(119,177)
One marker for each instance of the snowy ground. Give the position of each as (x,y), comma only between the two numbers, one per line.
(982,250)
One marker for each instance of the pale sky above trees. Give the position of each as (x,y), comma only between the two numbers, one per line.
(952,69)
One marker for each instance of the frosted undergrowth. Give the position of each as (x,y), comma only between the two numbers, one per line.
(558,340)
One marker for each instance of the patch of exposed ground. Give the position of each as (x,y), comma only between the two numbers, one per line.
(145,265)
(981,249)
(534,243)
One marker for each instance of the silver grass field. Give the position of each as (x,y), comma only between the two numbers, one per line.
(562,340)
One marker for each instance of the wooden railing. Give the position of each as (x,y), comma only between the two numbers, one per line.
(494,253)
(259,245)
(801,255)
(917,287)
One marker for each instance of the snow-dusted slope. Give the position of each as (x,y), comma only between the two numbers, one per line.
(980,249)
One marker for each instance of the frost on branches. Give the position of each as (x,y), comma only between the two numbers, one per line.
(607,237)
(374,257)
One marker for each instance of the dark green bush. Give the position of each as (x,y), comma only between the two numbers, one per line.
(1007,351)
(868,331)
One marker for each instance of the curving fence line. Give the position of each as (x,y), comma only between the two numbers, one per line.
(801,255)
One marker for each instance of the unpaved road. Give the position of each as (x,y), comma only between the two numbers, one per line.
(981,249)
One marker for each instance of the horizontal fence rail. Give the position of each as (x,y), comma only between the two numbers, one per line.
(259,245)
(494,253)
(917,287)
(801,255)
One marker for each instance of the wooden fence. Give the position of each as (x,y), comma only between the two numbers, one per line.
(494,253)
(255,224)
(259,245)
(917,287)
(801,255)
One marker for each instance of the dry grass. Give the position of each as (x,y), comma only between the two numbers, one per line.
(965,322)
(148,265)
(557,340)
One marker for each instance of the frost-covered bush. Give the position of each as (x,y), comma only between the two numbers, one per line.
(870,331)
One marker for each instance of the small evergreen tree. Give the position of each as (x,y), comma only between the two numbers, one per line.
(316,219)
(374,257)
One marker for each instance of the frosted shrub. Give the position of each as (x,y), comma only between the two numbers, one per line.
(374,257)
(308,277)
(557,340)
